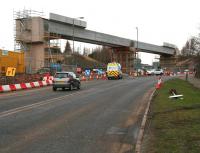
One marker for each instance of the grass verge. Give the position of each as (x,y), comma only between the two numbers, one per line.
(174,124)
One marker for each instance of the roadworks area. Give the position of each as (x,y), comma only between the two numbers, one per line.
(173,123)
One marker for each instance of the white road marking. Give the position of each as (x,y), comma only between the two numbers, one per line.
(35,105)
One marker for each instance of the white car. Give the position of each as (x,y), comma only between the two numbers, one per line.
(150,72)
(158,72)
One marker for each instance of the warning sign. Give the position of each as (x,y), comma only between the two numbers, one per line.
(10,71)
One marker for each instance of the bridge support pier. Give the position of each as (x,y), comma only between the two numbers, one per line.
(124,56)
(168,62)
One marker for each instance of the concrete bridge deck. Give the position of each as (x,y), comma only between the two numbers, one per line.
(66,29)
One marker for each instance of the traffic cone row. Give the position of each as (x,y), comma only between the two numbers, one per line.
(92,77)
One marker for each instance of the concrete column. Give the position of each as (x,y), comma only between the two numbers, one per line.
(34,59)
(123,55)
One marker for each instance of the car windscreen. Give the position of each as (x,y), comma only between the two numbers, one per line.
(61,75)
(112,68)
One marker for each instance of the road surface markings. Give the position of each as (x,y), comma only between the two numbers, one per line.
(21,93)
(41,103)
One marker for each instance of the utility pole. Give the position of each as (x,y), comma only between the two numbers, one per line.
(73,36)
(137,52)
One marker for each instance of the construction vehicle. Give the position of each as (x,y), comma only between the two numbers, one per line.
(114,71)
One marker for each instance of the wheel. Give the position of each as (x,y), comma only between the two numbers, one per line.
(54,88)
(79,86)
(70,87)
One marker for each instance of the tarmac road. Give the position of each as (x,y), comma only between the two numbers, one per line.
(103,117)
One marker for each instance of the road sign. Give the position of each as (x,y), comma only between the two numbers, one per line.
(10,71)
(87,72)
(100,71)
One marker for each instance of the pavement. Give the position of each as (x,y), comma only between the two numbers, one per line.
(194,81)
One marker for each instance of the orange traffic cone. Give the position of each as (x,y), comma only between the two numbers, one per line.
(104,77)
(83,78)
(158,85)
(91,78)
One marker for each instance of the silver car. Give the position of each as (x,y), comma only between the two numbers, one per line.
(158,72)
(65,80)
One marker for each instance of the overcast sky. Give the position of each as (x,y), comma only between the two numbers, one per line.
(158,21)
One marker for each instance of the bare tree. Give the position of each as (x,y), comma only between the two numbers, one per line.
(195,46)
(192,47)
(101,54)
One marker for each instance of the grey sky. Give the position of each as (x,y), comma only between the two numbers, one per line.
(158,21)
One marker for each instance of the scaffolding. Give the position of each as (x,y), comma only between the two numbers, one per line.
(52,43)
(22,25)
(27,36)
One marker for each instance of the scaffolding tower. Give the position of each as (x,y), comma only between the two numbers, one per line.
(52,48)
(23,18)
(32,36)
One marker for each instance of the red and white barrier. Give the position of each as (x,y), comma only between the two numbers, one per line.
(21,86)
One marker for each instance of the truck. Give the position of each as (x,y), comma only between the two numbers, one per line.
(114,71)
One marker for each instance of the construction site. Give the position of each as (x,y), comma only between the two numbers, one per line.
(37,44)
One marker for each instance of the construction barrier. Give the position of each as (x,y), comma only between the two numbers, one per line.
(22,86)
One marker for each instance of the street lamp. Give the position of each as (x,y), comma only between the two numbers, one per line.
(73,31)
(137,37)
(137,52)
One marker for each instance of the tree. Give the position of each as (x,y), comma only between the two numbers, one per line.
(192,47)
(101,54)
(185,49)
(68,49)
(195,46)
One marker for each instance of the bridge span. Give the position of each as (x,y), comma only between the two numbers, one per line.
(33,34)
(64,26)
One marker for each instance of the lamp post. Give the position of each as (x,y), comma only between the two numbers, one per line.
(137,52)
(73,31)
(73,38)
(137,36)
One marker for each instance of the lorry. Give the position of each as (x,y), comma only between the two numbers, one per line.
(114,71)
